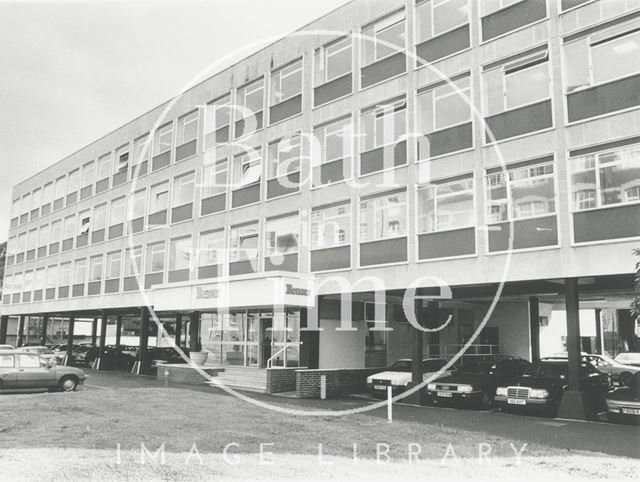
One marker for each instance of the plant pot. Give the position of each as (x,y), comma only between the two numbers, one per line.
(199,357)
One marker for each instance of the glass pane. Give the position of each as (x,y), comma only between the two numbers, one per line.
(527,86)
(449,14)
(616,58)
(619,183)
(576,61)
(532,197)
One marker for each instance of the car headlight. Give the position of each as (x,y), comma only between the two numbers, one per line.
(501,391)
(538,393)
(465,388)
(431,386)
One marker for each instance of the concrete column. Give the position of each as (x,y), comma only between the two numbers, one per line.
(72,322)
(599,347)
(4,325)
(20,338)
(178,336)
(194,332)
(118,329)
(103,335)
(144,340)
(534,327)
(45,325)
(94,332)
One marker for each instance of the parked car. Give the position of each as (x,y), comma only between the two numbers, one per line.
(118,357)
(474,384)
(629,358)
(6,347)
(619,373)
(154,356)
(42,351)
(540,388)
(83,355)
(623,404)
(21,370)
(398,375)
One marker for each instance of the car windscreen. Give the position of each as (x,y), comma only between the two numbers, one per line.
(547,370)
(401,366)
(429,366)
(480,367)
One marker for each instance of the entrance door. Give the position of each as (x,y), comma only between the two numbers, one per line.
(266,340)
(251,340)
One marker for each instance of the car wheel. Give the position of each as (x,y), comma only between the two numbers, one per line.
(68,384)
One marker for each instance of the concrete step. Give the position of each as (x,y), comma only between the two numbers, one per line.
(248,381)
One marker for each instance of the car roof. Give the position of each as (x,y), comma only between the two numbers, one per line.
(424,359)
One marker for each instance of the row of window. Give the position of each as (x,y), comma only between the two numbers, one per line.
(599,58)
(601,179)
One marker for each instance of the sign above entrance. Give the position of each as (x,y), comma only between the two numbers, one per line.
(263,289)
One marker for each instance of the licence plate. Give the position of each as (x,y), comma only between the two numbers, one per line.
(445,394)
(516,401)
(379,387)
(631,411)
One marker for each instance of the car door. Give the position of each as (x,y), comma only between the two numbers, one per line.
(8,372)
(32,373)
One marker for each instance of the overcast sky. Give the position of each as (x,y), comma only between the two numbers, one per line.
(70,72)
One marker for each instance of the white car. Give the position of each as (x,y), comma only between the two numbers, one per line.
(619,373)
(42,351)
(629,358)
(398,375)
(7,348)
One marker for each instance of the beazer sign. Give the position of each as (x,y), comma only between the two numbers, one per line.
(205,294)
(292,290)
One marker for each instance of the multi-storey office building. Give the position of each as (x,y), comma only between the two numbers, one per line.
(385,145)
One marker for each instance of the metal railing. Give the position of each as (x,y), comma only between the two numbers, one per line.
(284,349)
(447,351)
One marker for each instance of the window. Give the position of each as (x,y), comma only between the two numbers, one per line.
(606,178)
(446,205)
(56,231)
(43,236)
(333,60)
(32,240)
(114,265)
(52,276)
(100,217)
(26,203)
(180,253)
(286,82)
(244,242)
(602,57)
(183,189)
(29,361)
(217,116)
(333,141)
(65,274)
(22,242)
(247,168)
(141,147)
(15,208)
(122,158)
(95,268)
(28,282)
(69,227)
(17,282)
(282,235)
(444,106)
(383,38)
(104,167)
(521,193)
(88,174)
(492,6)
(383,216)
(519,83)
(47,193)
(36,199)
(384,124)
(74,181)
(79,271)
(133,261)
(84,222)
(284,156)
(159,197)
(40,279)
(61,188)
(163,140)
(214,176)
(211,248)
(6,361)
(138,201)
(155,258)
(187,128)
(118,211)
(331,226)
(436,17)
(249,106)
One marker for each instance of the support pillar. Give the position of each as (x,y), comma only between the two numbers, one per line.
(4,325)
(20,338)
(118,329)
(103,335)
(194,332)
(575,404)
(599,347)
(94,332)
(69,357)
(178,335)
(534,327)
(141,357)
(45,325)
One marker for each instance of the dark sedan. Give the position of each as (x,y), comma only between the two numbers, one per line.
(474,384)
(623,404)
(540,388)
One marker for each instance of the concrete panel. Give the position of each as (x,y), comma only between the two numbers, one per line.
(63,292)
(46,209)
(288,262)
(161,160)
(97,236)
(157,219)
(120,178)
(331,258)
(445,141)
(102,185)
(59,203)
(38,295)
(136,225)
(113,285)
(449,243)
(77,290)
(528,233)
(242,267)
(610,223)
(67,244)
(444,45)
(241,124)
(130,284)
(93,288)
(245,195)
(333,90)
(116,231)
(72,198)
(513,17)
(82,240)
(205,272)
(42,252)
(341,349)
(383,158)
(54,248)
(213,204)
(86,192)
(153,279)
(182,213)
(178,275)
(282,185)
(186,150)
(604,99)
(286,109)
(383,69)
(385,251)
(520,121)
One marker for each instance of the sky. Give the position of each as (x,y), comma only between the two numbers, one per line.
(72,71)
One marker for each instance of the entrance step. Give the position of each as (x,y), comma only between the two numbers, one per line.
(247,378)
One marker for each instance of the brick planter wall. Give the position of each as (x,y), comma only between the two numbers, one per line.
(281,380)
(185,374)
(339,381)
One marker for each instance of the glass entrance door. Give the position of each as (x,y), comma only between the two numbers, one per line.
(251,340)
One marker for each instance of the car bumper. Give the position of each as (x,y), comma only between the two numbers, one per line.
(624,408)
(524,403)
(451,397)
(380,390)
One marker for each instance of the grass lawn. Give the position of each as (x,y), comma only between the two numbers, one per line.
(75,436)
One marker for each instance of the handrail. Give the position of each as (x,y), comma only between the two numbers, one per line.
(283,349)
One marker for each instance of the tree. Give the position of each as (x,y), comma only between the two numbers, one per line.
(3,257)
(635,305)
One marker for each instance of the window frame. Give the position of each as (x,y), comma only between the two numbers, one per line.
(183,122)
(432,5)
(387,22)
(158,134)
(179,184)
(314,245)
(279,74)
(374,110)
(382,195)
(444,183)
